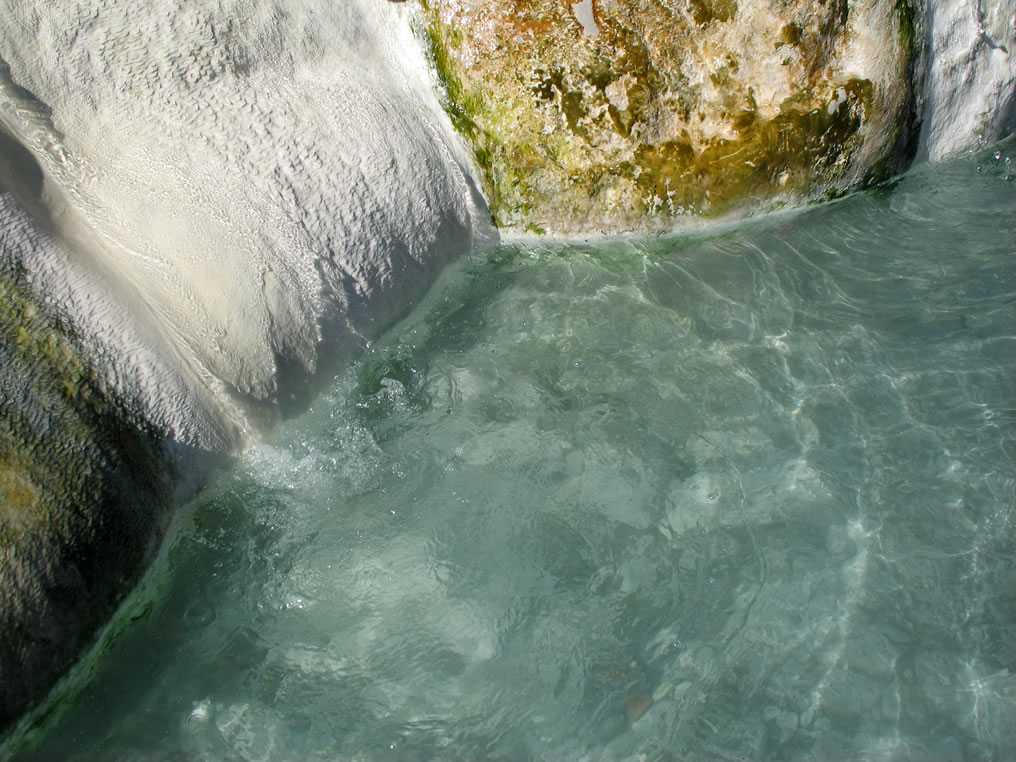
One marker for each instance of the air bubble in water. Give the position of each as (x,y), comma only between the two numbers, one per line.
(200,713)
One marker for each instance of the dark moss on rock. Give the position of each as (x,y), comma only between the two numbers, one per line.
(704,11)
(85,492)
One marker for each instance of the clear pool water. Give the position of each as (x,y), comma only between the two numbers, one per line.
(742,494)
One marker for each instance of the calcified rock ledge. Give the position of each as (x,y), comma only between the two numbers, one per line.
(629,115)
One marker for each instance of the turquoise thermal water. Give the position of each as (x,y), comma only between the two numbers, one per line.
(746,493)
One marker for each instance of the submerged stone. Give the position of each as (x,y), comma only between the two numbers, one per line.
(622,115)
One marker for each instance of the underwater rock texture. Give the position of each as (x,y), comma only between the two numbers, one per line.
(615,115)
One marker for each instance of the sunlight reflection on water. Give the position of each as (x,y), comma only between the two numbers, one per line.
(746,493)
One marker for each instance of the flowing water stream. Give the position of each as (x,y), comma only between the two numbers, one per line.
(746,493)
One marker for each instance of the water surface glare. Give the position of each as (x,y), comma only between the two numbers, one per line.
(744,494)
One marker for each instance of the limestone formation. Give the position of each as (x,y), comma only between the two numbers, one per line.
(619,115)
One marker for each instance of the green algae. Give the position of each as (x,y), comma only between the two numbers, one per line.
(791,34)
(58,392)
(907,29)
(17,492)
(787,152)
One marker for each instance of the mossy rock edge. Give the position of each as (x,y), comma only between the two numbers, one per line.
(673,109)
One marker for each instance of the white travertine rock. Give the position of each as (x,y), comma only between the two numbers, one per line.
(970,97)
(269,182)
(204,206)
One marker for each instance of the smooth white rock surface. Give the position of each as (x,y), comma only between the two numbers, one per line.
(970,89)
(238,187)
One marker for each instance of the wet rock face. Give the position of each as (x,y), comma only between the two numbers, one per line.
(616,115)
(85,492)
